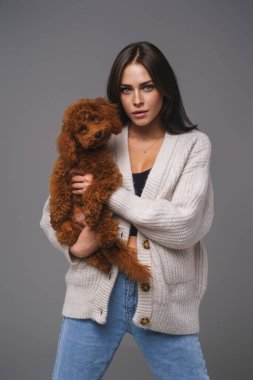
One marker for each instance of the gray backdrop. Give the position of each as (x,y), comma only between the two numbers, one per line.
(52,53)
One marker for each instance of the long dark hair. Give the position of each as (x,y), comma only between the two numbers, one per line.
(173,115)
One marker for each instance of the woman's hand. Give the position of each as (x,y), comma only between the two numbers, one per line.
(86,243)
(80,183)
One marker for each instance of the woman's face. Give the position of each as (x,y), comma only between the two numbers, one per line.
(138,92)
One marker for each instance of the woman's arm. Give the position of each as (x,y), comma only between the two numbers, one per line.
(86,243)
(50,233)
(187,217)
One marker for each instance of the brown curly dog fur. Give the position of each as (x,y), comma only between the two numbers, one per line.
(87,127)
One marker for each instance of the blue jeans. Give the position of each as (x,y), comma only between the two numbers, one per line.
(86,348)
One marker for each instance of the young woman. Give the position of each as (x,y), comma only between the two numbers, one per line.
(164,208)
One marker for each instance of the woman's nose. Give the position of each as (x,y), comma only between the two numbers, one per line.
(137,99)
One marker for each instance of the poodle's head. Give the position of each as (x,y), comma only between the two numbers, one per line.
(87,124)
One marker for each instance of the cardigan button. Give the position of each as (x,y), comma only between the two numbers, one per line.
(145,244)
(144,320)
(145,287)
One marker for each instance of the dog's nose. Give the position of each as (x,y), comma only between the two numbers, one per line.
(98,134)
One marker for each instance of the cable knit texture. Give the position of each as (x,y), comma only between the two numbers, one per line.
(172,216)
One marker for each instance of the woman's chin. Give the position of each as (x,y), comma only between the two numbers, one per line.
(141,122)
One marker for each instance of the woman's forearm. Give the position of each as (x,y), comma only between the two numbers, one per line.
(86,243)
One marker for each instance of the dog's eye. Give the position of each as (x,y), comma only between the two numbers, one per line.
(82,128)
(92,117)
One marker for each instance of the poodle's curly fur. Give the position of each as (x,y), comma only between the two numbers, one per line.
(86,128)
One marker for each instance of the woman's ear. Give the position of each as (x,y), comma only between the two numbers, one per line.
(66,147)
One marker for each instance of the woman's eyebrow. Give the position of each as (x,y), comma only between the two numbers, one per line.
(123,84)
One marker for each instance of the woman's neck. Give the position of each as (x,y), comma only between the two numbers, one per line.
(145,133)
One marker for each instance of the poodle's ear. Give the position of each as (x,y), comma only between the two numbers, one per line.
(102,101)
(114,118)
(111,111)
(116,123)
(66,147)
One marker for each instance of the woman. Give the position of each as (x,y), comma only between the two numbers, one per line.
(164,208)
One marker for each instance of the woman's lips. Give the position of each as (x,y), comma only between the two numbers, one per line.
(140,114)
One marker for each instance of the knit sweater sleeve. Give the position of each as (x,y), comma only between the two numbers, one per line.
(185,219)
(50,233)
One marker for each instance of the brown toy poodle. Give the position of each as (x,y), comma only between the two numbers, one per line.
(86,128)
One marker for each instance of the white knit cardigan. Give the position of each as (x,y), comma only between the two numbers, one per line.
(174,213)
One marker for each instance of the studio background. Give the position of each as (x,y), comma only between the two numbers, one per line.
(54,52)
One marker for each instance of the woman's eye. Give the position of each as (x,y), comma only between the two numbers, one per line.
(149,86)
(123,89)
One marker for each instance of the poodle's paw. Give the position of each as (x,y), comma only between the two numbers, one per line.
(68,234)
(105,239)
(104,242)
(79,219)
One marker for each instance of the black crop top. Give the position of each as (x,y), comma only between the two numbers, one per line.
(139,180)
